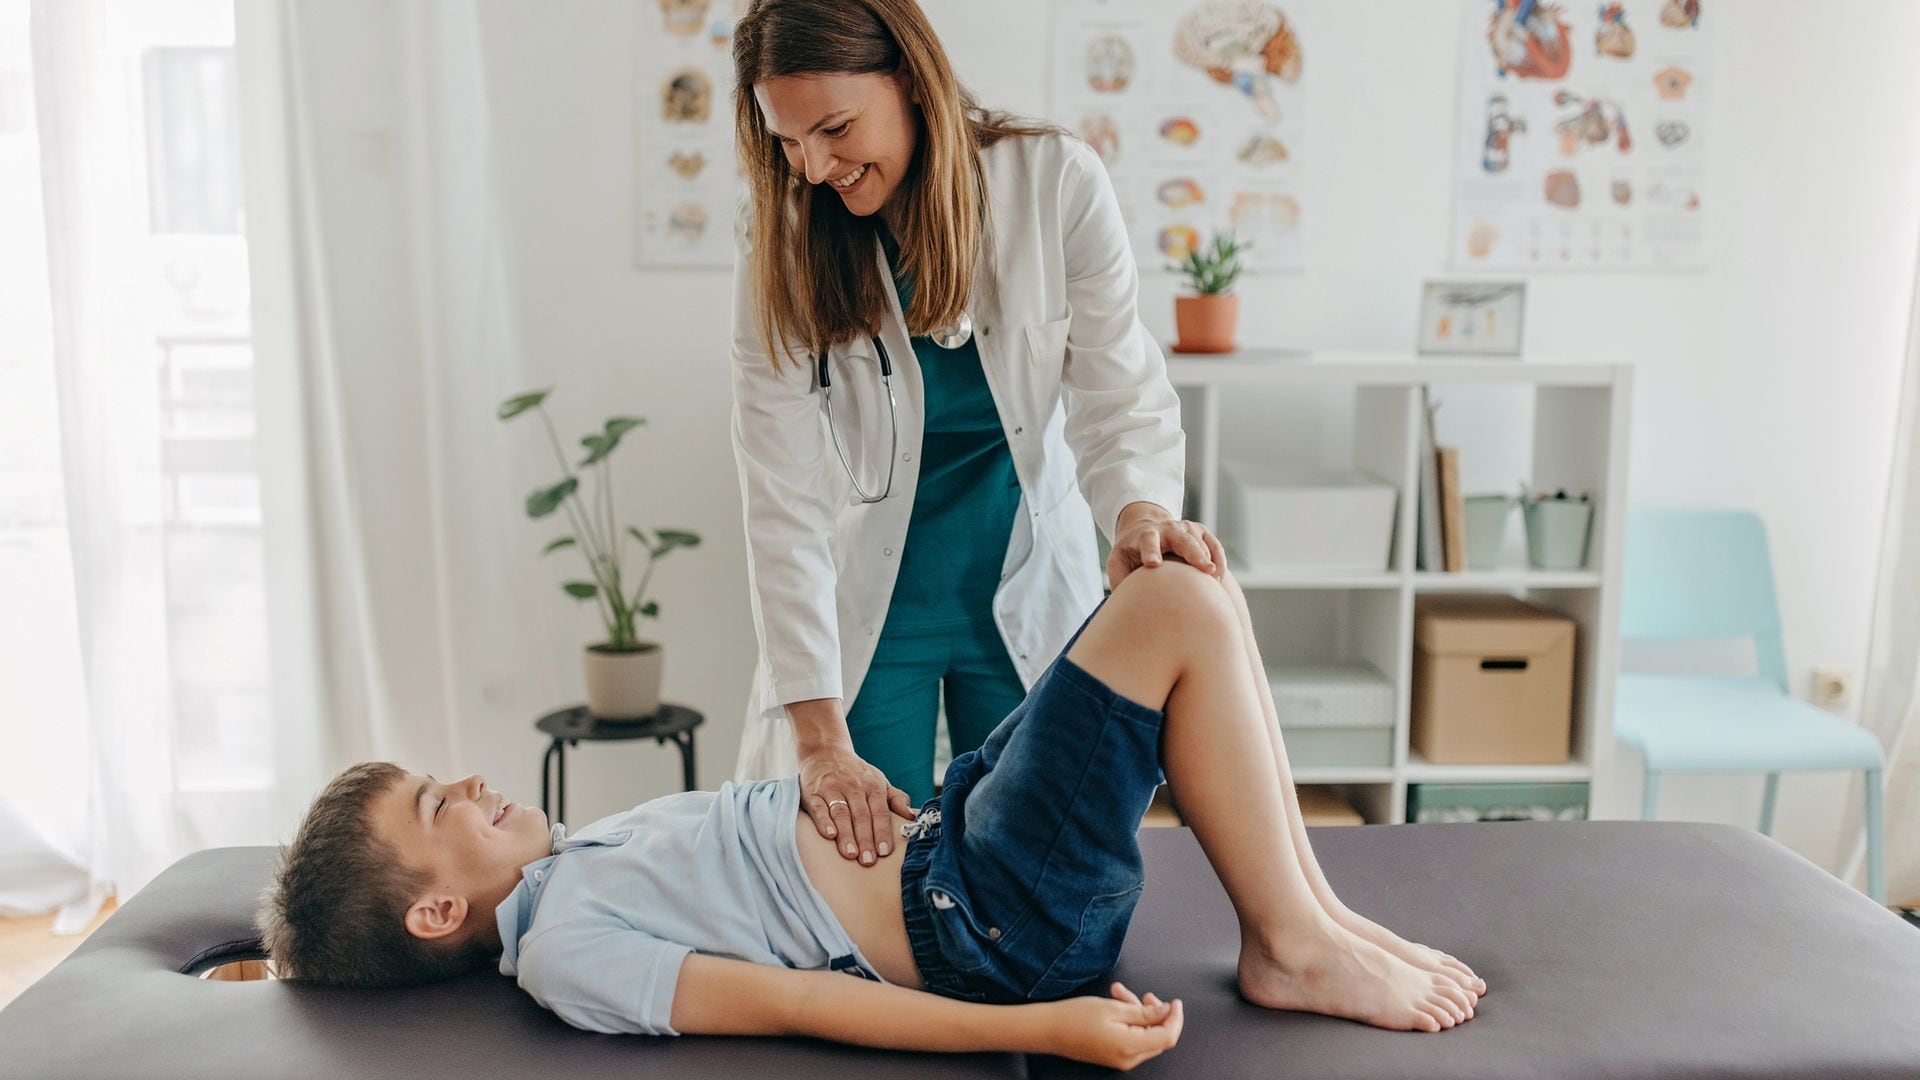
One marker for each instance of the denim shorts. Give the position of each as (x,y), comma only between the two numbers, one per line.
(1018,882)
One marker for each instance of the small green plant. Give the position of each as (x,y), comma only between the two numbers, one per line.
(598,535)
(1213,269)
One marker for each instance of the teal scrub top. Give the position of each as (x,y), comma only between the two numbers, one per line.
(968,495)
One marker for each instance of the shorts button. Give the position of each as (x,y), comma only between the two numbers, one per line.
(993,933)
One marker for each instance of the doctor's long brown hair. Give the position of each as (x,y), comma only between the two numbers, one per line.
(811,259)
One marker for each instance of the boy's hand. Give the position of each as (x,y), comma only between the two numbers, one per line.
(1118,1032)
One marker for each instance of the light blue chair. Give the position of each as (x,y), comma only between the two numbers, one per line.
(1705,576)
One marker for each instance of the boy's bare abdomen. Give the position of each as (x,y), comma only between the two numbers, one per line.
(866,899)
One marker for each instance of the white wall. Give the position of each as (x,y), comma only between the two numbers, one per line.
(1768,380)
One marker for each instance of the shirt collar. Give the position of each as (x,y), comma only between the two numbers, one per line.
(515,914)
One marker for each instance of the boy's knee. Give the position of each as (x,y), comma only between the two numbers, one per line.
(1175,593)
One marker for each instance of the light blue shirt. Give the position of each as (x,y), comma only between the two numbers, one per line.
(597,930)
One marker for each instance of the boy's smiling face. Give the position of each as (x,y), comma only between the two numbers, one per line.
(469,840)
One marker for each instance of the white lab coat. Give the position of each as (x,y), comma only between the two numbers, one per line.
(1083,395)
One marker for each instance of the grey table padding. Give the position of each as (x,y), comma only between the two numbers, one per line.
(1612,950)
(1615,950)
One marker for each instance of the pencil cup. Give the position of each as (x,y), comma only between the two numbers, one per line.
(1486,529)
(1557,533)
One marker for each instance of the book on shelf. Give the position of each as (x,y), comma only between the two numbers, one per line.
(1430,553)
(1453,509)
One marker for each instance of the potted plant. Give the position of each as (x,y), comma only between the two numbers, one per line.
(623,672)
(1206,321)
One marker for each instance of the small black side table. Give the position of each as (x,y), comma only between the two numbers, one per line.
(568,726)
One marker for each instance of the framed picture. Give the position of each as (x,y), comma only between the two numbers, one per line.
(1477,317)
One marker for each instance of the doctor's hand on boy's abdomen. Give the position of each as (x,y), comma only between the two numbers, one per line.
(866,900)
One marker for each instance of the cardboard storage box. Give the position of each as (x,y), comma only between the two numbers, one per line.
(1492,682)
(1497,802)
(1301,518)
(1322,806)
(1338,714)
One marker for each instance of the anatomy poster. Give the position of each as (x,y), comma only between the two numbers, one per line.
(686,177)
(1196,107)
(1581,140)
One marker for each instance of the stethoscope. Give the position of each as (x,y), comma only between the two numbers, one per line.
(947,337)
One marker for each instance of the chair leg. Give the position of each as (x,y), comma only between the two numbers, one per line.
(1650,796)
(1876,854)
(1766,804)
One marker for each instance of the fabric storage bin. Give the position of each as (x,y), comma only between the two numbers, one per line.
(1302,518)
(1496,802)
(1492,681)
(1338,714)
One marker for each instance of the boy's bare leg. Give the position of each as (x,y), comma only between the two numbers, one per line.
(1170,636)
(1415,954)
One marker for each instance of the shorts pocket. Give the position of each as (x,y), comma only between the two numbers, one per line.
(1103,927)
(964,943)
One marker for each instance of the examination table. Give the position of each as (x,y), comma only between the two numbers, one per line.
(1613,950)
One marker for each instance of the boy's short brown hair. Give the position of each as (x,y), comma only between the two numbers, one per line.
(335,912)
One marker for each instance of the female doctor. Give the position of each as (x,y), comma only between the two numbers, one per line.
(941,386)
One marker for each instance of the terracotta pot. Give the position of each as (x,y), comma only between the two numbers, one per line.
(1206,324)
(623,684)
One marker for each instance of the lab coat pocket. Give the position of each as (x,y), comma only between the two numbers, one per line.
(1047,350)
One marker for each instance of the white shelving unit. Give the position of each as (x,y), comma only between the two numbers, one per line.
(1565,423)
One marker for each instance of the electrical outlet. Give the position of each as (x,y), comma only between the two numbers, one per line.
(1832,687)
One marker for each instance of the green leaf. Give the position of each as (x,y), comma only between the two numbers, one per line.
(673,538)
(547,500)
(565,541)
(640,536)
(604,443)
(601,447)
(582,590)
(520,403)
(650,609)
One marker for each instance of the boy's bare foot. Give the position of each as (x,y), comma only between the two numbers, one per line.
(1421,956)
(1328,970)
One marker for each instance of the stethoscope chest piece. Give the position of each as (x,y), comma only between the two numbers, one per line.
(954,335)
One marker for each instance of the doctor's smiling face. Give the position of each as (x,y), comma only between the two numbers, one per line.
(854,134)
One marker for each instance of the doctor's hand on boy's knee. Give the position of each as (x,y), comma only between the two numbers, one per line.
(1146,535)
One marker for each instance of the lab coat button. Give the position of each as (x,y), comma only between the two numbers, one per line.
(986,331)
(906,457)
(886,551)
(1018,430)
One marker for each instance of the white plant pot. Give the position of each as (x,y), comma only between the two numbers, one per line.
(623,685)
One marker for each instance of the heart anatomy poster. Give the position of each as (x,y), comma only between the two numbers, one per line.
(1196,107)
(1581,140)
(686,174)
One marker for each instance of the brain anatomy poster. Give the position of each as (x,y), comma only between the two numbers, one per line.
(686,176)
(1197,110)
(1580,141)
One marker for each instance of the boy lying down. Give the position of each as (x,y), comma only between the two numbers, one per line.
(726,912)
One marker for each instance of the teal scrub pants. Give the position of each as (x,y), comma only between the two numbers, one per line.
(893,716)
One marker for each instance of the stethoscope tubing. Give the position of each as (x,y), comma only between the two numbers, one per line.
(893,419)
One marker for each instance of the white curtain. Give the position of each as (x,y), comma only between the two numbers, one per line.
(1891,705)
(380,608)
